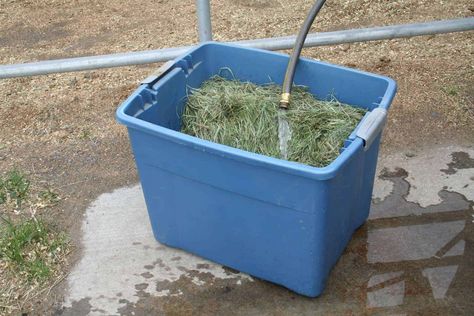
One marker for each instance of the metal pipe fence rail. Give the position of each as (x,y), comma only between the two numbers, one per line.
(275,43)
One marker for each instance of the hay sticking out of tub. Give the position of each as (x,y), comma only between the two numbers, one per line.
(244,115)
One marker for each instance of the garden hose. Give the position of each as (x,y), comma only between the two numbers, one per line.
(295,55)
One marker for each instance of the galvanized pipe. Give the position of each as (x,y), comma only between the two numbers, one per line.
(204,20)
(277,43)
(366,34)
(90,62)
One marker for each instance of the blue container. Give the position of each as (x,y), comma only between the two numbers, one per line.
(281,221)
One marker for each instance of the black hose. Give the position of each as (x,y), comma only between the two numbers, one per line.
(295,55)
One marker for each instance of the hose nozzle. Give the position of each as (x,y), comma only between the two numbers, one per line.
(284,101)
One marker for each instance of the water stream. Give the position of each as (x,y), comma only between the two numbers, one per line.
(284,133)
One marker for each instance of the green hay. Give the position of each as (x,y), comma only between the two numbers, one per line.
(244,115)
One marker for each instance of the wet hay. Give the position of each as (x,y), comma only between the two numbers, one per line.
(244,115)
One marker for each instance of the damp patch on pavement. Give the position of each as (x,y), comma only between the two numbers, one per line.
(413,255)
(121,260)
(429,172)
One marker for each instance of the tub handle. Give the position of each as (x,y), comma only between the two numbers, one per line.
(160,72)
(372,126)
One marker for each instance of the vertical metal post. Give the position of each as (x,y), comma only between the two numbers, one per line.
(203,10)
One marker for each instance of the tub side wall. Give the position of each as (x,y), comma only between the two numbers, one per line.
(247,233)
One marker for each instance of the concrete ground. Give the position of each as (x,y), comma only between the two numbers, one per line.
(414,255)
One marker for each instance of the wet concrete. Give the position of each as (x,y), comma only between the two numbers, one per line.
(461,160)
(429,172)
(414,255)
(120,255)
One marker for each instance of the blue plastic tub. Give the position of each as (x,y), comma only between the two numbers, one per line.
(281,221)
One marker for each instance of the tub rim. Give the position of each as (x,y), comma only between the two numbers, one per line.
(243,156)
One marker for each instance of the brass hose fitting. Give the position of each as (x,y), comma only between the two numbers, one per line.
(284,100)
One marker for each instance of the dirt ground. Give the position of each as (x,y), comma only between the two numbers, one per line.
(60,129)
